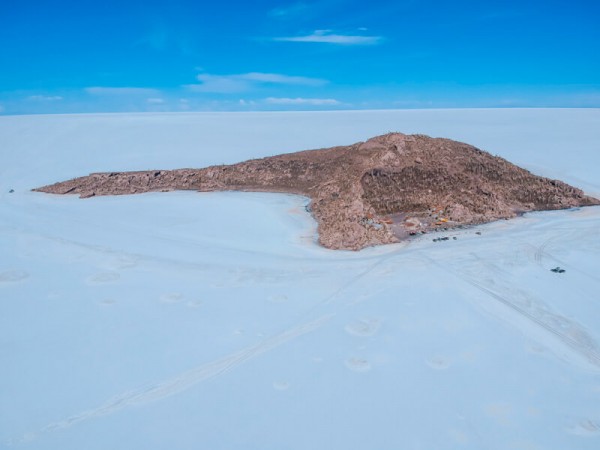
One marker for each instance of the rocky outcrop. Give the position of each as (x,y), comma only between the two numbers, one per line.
(370,193)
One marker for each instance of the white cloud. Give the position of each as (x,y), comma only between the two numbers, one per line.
(302,101)
(247,81)
(329,37)
(44,98)
(219,83)
(155,100)
(103,90)
(276,78)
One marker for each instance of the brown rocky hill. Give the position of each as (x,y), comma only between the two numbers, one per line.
(369,193)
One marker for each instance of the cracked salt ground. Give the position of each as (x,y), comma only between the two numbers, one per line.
(358,364)
(108,301)
(281,385)
(476,340)
(194,303)
(174,297)
(13,276)
(363,327)
(585,427)
(439,362)
(278,298)
(104,277)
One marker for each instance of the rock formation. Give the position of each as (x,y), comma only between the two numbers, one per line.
(369,193)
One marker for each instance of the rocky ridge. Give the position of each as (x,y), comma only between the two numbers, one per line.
(369,193)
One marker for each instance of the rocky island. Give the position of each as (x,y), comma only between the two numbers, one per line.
(369,193)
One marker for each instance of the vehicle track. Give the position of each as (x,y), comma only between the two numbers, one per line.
(179,383)
(584,345)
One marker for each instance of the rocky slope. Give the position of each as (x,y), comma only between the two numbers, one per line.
(369,193)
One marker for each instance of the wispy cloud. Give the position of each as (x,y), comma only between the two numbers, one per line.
(1,109)
(277,78)
(248,81)
(285,12)
(219,84)
(162,38)
(302,101)
(44,98)
(330,37)
(156,39)
(125,91)
(155,100)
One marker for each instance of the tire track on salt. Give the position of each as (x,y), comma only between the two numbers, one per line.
(583,346)
(179,383)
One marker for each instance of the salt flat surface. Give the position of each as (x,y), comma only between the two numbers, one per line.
(185,320)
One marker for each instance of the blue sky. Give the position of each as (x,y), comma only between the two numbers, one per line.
(133,55)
